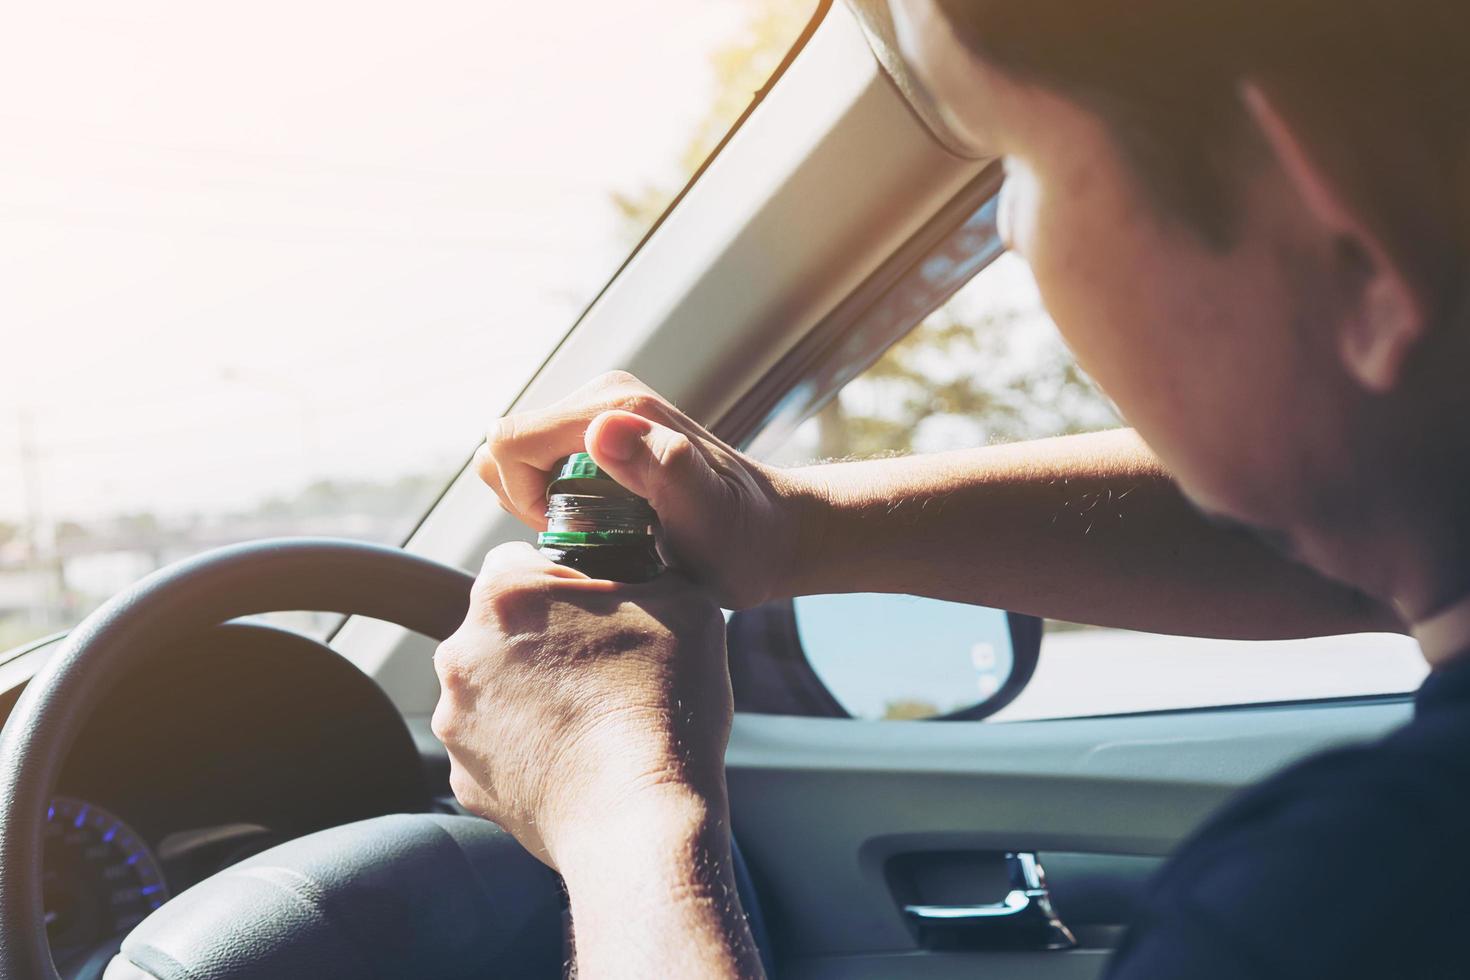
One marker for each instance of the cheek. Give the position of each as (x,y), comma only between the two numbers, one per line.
(1097,275)
(1185,341)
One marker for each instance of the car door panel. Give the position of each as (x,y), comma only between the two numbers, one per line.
(823,807)
(1077,964)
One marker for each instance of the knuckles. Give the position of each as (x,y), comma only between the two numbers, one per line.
(454,677)
(459,663)
(677,450)
(444,722)
(623,390)
(614,389)
(519,601)
(503,433)
(507,600)
(616,379)
(465,790)
(641,402)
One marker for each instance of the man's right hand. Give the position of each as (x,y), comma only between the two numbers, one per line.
(730,523)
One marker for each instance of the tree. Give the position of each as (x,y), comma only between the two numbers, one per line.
(984,376)
(70,532)
(740,67)
(909,709)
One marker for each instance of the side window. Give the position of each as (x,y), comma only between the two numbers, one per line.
(989,367)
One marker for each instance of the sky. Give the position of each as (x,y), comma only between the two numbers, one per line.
(245,246)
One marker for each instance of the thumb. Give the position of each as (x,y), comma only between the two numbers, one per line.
(657,463)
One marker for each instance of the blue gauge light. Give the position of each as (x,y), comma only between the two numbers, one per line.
(99,877)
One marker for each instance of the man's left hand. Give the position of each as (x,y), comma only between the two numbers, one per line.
(575,708)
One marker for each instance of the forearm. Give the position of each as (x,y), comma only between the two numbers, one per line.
(659,899)
(1082,528)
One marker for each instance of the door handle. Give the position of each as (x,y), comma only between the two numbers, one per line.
(1024,919)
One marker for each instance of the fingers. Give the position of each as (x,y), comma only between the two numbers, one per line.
(484,465)
(521,449)
(658,463)
(520,561)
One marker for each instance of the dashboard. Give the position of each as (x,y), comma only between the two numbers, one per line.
(243,738)
(100,881)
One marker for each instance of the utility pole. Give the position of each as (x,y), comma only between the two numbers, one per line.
(30,478)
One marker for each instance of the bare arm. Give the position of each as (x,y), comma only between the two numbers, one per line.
(590,719)
(1085,528)
(660,900)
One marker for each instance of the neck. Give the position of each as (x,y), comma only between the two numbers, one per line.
(1445,634)
(1433,590)
(1412,550)
(1433,570)
(1398,514)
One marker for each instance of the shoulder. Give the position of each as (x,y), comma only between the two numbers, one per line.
(1346,865)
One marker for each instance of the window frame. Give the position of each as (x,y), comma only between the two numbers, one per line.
(935,263)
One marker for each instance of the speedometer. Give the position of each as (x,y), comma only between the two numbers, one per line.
(99,879)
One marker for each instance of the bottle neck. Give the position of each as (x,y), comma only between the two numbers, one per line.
(593,519)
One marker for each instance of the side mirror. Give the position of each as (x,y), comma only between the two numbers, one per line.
(865,655)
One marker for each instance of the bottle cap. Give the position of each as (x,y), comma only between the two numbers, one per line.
(579,466)
(573,473)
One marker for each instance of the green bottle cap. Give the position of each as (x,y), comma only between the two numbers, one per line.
(574,474)
(580,466)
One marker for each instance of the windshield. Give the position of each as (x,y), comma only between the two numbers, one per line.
(272,268)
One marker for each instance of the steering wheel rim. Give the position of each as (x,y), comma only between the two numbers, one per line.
(319,574)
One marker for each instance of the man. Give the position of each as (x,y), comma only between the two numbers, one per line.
(1250,222)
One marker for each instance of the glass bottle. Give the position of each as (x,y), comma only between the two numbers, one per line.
(596,526)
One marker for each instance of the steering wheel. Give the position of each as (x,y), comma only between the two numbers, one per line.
(426,895)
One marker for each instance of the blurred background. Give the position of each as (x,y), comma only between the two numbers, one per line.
(273,268)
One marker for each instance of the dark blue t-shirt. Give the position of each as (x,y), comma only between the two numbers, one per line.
(1352,864)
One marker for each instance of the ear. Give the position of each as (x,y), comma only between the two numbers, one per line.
(1387,312)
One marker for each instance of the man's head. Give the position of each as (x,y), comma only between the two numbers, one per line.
(1250,222)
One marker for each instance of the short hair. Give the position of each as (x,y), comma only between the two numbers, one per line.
(1165,75)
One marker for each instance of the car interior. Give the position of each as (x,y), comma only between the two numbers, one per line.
(187,790)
